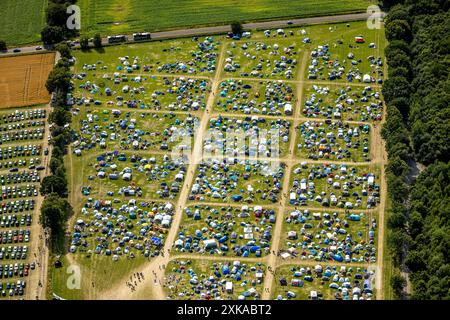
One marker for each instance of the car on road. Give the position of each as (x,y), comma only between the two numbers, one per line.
(38,48)
(17,50)
(290,22)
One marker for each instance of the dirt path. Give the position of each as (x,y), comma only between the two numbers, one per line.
(271,267)
(36,286)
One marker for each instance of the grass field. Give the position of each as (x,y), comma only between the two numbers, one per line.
(122,16)
(22,80)
(21,21)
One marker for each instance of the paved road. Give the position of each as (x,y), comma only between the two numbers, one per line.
(225,28)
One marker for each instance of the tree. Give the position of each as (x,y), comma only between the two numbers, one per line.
(64,50)
(54,213)
(402,104)
(398,30)
(52,34)
(398,283)
(56,14)
(395,87)
(84,43)
(60,116)
(58,79)
(97,41)
(55,163)
(237,28)
(54,184)
(3,46)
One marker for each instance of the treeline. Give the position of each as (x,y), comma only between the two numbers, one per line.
(416,129)
(56,16)
(56,209)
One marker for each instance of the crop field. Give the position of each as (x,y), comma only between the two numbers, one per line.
(245,231)
(128,16)
(323,282)
(330,235)
(197,279)
(21,22)
(137,108)
(22,80)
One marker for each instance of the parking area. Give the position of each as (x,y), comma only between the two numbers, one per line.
(22,133)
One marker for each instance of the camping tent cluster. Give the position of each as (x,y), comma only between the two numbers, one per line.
(255,136)
(226,230)
(333,185)
(350,68)
(218,280)
(262,59)
(204,59)
(332,282)
(267,98)
(133,130)
(122,90)
(332,236)
(154,177)
(365,105)
(233,180)
(113,229)
(334,140)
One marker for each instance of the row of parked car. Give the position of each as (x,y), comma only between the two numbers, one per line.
(16,270)
(18,115)
(15,236)
(30,134)
(12,288)
(22,125)
(21,151)
(11,221)
(13,253)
